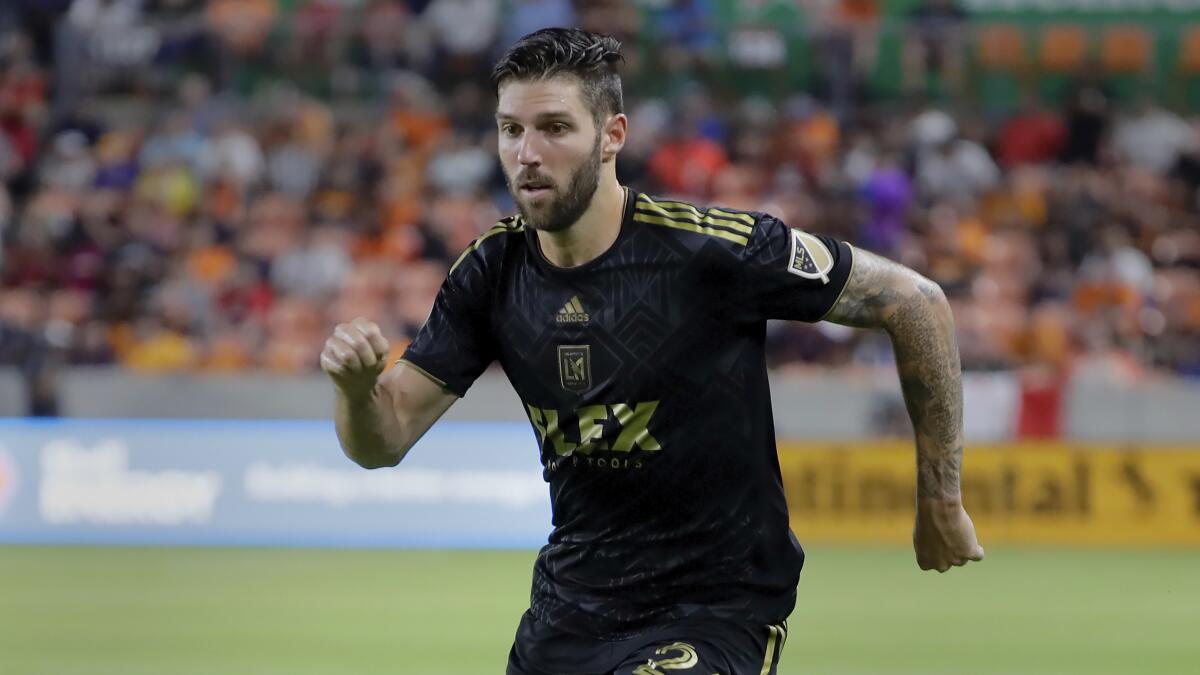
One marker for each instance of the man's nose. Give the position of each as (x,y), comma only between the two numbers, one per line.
(529,153)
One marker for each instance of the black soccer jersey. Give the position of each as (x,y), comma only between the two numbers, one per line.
(643,374)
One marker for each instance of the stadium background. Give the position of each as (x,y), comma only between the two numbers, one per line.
(193,193)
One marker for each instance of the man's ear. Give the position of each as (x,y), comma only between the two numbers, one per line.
(613,136)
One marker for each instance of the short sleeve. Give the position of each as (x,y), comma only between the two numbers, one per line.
(787,273)
(453,347)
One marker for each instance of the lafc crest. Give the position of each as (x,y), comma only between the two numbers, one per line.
(809,258)
(575,367)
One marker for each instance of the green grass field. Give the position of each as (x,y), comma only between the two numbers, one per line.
(69,611)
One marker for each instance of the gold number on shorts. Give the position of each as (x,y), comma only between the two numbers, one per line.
(686,660)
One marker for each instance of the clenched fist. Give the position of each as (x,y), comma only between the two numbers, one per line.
(354,356)
(944,535)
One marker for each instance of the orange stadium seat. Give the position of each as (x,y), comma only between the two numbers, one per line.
(1125,50)
(1001,48)
(1187,70)
(1189,51)
(1063,48)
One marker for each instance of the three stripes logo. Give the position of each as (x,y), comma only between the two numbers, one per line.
(573,312)
(721,223)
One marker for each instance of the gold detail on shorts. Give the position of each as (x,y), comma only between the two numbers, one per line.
(770,657)
(687,660)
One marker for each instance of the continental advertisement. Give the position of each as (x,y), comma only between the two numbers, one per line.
(1033,493)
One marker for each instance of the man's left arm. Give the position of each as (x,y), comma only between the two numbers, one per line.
(913,310)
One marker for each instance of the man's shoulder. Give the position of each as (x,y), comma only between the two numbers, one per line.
(733,227)
(492,243)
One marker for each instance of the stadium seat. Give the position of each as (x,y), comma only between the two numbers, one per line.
(1125,50)
(1126,57)
(1002,65)
(1189,52)
(1001,48)
(1063,48)
(1188,67)
(1062,52)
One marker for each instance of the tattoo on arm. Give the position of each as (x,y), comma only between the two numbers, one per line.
(915,314)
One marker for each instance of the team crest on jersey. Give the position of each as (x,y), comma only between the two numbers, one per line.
(575,367)
(810,258)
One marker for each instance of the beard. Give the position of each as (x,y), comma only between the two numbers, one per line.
(562,210)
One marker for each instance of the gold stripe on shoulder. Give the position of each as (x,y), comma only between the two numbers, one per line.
(744,217)
(510,224)
(691,227)
(685,211)
(687,217)
(710,212)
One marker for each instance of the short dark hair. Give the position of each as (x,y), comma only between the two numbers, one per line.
(591,57)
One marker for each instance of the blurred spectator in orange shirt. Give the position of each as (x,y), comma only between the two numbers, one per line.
(686,164)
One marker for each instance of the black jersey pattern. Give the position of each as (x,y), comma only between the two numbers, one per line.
(643,376)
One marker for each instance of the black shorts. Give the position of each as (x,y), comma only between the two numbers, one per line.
(699,647)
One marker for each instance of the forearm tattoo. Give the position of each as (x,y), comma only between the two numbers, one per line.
(912,309)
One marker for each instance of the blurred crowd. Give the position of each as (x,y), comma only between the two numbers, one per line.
(175,197)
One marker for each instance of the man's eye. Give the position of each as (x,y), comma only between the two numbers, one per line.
(509,130)
(558,128)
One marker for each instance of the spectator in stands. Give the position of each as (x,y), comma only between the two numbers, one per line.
(175,142)
(242,25)
(315,267)
(25,346)
(956,169)
(293,167)
(315,36)
(461,166)
(1152,138)
(69,165)
(235,154)
(887,192)
(1034,135)
(110,34)
(846,37)
(1087,120)
(17,127)
(464,33)
(104,15)
(390,37)
(10,162)
(186,41)
(526,16)
(38,19)
(933,45)
(6,224)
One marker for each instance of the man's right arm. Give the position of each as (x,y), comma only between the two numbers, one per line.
(379,417)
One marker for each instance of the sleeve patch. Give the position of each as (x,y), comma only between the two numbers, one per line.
(809,258)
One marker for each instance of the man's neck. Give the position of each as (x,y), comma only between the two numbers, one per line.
(594,232)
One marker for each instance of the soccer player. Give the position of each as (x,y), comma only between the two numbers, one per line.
(632,328)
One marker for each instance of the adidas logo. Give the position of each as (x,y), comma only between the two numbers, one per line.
(572,312)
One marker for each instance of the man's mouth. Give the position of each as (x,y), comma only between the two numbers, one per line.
(535,188)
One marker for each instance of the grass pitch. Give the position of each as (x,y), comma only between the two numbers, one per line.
(146,611)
